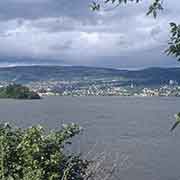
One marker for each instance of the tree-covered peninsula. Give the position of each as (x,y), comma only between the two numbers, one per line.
(17,91)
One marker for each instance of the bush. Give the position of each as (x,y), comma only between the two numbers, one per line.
(18,92)
(33,154)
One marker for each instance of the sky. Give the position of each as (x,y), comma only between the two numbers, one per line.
(67,32)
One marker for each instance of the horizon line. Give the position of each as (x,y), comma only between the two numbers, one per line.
(11,65)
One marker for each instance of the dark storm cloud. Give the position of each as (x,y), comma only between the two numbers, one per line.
(32,9)
(66,31)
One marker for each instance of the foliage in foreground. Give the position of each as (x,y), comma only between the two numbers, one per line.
(32,154)
(156,6)
(177,122)
(17,91)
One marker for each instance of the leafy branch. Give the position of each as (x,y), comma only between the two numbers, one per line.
(177,116)
(35,154)
(174,41)
(156,6)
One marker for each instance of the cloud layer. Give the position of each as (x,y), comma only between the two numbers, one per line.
(67,32)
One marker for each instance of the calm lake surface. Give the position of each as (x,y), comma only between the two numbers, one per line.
(134,130)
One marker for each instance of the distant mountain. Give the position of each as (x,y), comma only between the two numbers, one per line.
(150,76)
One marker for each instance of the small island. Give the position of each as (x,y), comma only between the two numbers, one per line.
(17,91)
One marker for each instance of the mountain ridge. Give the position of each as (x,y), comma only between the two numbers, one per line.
(148,76)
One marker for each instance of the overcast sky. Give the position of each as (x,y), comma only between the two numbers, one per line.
(66,32)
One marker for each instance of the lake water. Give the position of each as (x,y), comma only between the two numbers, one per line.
(133,130)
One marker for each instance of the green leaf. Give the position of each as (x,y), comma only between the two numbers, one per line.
(172,24)
(177,116)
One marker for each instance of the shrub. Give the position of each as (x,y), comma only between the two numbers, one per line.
(33,154)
